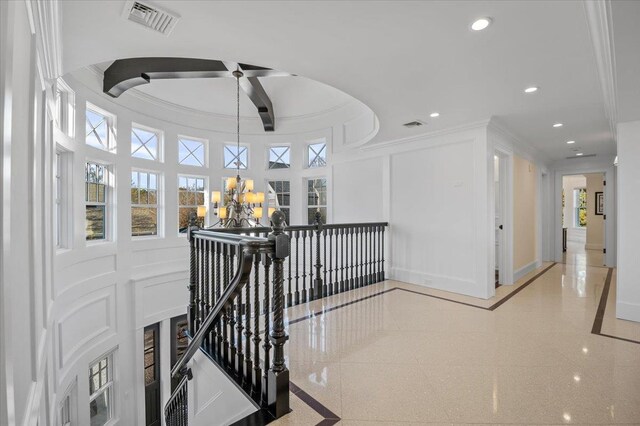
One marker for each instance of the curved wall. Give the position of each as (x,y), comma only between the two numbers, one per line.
(106,292)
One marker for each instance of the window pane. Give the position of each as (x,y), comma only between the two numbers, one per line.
(317,154)
(99,411)
(101,193)
(92,192)
(97,130)
(153,196)
(183,217)
(279,157)
(95,226)
(144,221)
(144,144)
(191,152)
(234,158)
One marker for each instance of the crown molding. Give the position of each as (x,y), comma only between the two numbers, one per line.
(520,144)
(599,21)
(44,17)
(429,135)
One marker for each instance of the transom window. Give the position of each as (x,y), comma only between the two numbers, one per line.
(98,129)
(191,194)
(317,154)
(96,195)
(144,144)
(144,203)
(236,158)
(101,391)
(279,196)
(316,199)
(279,157)
(191,152)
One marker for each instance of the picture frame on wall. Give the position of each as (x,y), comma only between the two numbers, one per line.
(599,203)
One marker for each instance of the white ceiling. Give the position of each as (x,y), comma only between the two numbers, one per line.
(292,97)
(402,59)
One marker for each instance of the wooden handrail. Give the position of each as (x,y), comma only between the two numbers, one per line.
(249,246)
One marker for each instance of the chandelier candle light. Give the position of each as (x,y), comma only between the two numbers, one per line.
(238,205)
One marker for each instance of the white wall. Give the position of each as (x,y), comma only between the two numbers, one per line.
(628,284)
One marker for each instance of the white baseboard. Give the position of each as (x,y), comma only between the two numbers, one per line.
(519,273)
(628,311)
(439,282)
(593,246)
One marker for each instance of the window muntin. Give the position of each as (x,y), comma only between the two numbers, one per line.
(191,152)
(59,187)
(96,196)
(279,157)
(317,154)
(144,143)
(144,203)
(191,194)
(101,391)
(580,207)
(236,158)
(279,196)
(98,129)
(316,199)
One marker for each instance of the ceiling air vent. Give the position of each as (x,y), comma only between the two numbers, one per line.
(581,156)
(412,124)
(150,16)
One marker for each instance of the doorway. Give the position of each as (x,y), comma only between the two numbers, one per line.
(152,375)
(583,219)
(502,182)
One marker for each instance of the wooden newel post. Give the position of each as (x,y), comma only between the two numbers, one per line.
(278,377)
(191,311)
(317,282)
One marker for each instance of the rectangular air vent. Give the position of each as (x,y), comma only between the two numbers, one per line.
(150,16)
(581,156)
(416,123)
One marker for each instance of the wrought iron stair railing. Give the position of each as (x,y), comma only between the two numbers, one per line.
(236,313)
(327,259)
(176,411)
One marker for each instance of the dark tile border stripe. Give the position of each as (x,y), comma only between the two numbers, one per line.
(602,307)
(330,417)
(495,305)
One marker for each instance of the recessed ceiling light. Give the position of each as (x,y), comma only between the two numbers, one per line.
(579,154)
(570,142)
(481,24)
(557,125)
(434,114)
(531,89)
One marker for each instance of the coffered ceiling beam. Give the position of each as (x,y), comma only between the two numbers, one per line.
(124,74)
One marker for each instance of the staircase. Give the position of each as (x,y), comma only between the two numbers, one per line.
(238,296)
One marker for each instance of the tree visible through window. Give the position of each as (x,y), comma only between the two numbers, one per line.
(96,184)
(191,192)
(316,199)
(580,207)
(144,203)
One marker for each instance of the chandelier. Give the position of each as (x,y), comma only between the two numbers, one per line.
(237,205)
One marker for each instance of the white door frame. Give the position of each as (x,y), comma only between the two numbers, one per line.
(505,187)
(609,211)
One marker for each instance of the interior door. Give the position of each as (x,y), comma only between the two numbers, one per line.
(152,375)
(179,342)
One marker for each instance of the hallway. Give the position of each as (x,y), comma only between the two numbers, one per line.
(394,353)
